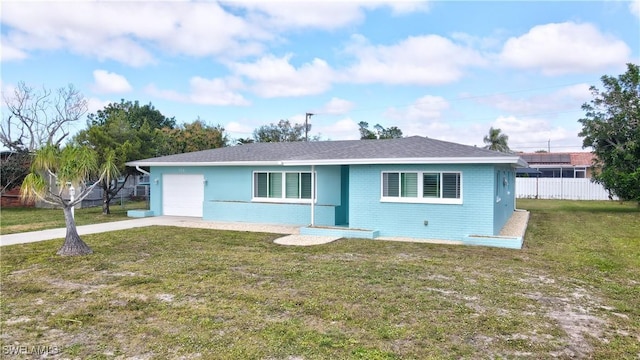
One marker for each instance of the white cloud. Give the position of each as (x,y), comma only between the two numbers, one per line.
(109,82)
(126,31)
(419,60)
(530,134)
(336,106)
(220,92)
(276,77)
(8,52)
(131,31)
(327,15)
(95,104)
(238,129)
(344,129)
(564,48)
(423,117)
(425,108)
(408,6)
(634,7)
(567,98)
(477,42)
(303,14)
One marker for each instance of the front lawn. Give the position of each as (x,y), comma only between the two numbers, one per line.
(164,293)
(16,220)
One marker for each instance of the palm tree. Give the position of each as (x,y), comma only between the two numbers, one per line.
(497,141)
(73,166)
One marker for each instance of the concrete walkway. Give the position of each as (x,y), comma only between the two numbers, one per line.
(50,234)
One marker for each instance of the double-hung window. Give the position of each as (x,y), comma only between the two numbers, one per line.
(422,186)
(282,186)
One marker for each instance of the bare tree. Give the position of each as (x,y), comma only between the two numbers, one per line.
(39,117)
(35,118)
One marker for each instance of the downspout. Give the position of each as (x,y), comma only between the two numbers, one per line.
(313,194)
(149,175)
(142,171)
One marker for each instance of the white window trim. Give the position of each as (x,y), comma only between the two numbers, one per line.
(284,198)
(419,199)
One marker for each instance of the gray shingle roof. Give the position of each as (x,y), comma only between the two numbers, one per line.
(345,151)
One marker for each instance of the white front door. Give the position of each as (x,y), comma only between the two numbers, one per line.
(182,195)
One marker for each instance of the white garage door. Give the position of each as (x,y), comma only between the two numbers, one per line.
(182,195)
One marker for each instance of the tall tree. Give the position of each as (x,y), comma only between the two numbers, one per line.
(380,132)
(193,136)
(136,115)
(283,131)
(392,132)
(365,133)
(243,141)
(496,140)
(126,131)
(611,126)
(71,165)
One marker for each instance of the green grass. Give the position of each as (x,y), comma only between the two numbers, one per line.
(163,292)
(15,220)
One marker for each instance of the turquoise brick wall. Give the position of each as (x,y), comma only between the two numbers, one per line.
(268,213)
(228,198)
(445,221)
(228,192)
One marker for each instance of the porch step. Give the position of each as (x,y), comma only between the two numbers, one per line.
(510,242)
(139,213)
(339,232)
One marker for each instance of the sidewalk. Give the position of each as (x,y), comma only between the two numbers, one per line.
(291,230)
(49,234)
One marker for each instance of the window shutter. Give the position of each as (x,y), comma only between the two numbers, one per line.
(451,185)
(260,185)
(275,185)
(409,184)
(391,184)
(305,184)
(431,185)
(292,185)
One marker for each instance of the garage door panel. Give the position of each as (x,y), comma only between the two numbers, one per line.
(182,195)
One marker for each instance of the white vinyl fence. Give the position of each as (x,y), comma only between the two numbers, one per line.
(560,188)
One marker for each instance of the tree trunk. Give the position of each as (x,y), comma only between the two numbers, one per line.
(73,245)
(105,199)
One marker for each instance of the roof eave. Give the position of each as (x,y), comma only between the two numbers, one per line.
(204,163)
(516,161)
(435,160)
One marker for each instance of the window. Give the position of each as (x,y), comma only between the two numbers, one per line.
(428,187)
(282,186)
(400,185)
(568,173)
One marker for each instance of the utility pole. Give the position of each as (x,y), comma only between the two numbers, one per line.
(306,125)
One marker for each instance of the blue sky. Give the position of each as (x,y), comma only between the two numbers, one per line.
(448,70)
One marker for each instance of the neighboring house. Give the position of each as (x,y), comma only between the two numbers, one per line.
(411,187)
(559,176)
(557,165)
